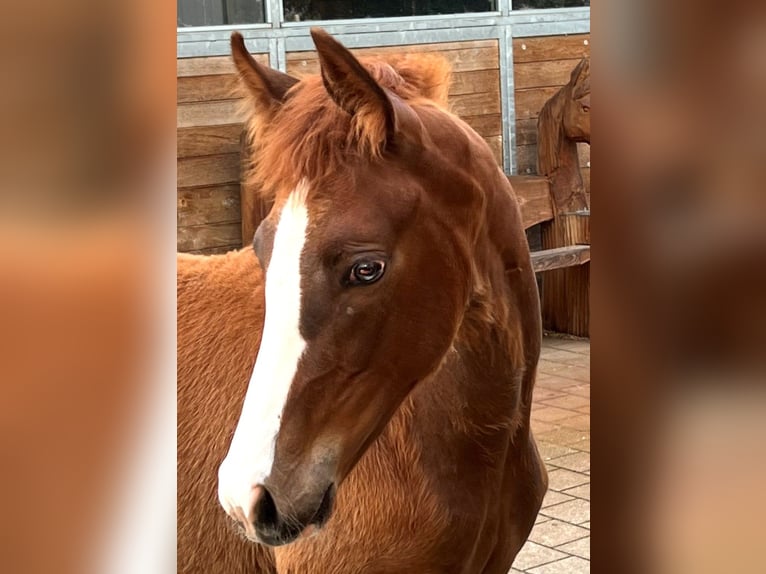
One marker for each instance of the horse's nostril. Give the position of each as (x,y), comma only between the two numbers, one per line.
(265,511)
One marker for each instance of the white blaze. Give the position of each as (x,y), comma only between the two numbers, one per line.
(251,453)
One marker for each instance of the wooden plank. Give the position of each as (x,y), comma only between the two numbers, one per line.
(475,104)
(208,170)
(496,145)
(543,74)
(530,102)
(207,88)
(550,48)
(474,82)
(196,237)
(560,257)
(208,140)
(583,154)
(215,250)
(526,159)
(215,113)
(483,55)
(210,66)
(534,198)
(526,131)
(203,205)
(486,125)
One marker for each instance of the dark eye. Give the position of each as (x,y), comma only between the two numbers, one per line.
(366,272)
(586,109)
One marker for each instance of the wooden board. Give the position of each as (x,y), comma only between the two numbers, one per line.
(213,65)
(203,205)
(463,56)
(215,250)
(475,104)
(206,88)
(543,74)
(530,102)
(208,140)
(526,158)
(551,48)
(210,235)
(475,81)
(560,257)
(534,198)
(486,125)
(216,113)
(496,145)
(208,170)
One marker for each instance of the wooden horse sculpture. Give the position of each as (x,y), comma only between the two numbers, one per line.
(563,122)
(386,424)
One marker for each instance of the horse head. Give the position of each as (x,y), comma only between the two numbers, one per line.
(368,261)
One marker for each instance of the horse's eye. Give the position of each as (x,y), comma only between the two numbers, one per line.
(586,109)
(366,272)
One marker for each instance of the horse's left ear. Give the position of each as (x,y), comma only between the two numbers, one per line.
(352,87)
(583,66)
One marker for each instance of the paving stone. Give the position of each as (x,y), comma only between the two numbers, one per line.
(574,511)
(579,422)
(562,479)
(550,451)
(532,555)
(555,533)
(579,547)
(570,565)
(564,436)
(578,461)
(553,414)
(553,497)
(568,401)
(582,491)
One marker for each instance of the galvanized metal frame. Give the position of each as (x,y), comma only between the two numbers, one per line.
(276,37)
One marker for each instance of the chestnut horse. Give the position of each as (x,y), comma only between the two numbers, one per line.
(386,424)
(564,122)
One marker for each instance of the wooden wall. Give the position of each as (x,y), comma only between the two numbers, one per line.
(541,65)
(209,121)
(209,125)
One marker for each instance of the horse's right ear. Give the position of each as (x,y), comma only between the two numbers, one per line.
(268,87)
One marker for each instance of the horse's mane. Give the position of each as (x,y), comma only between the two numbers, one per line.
(309,136)
(550,123)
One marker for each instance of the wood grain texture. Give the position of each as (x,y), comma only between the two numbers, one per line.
(206,88)
(534,198)
(196,237)
(475,81)
(526,158)
(215,113)
(565,301)
(543,74)
(463,56)
(208,140)
(551,48)
(208,170)
(559,257)
(212,65)
(485,125)
(530,102)
(203,205)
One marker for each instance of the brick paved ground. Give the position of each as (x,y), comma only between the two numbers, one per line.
(560,540)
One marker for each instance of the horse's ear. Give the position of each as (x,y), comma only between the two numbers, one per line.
(267,86)
(352,87)
(582,66)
